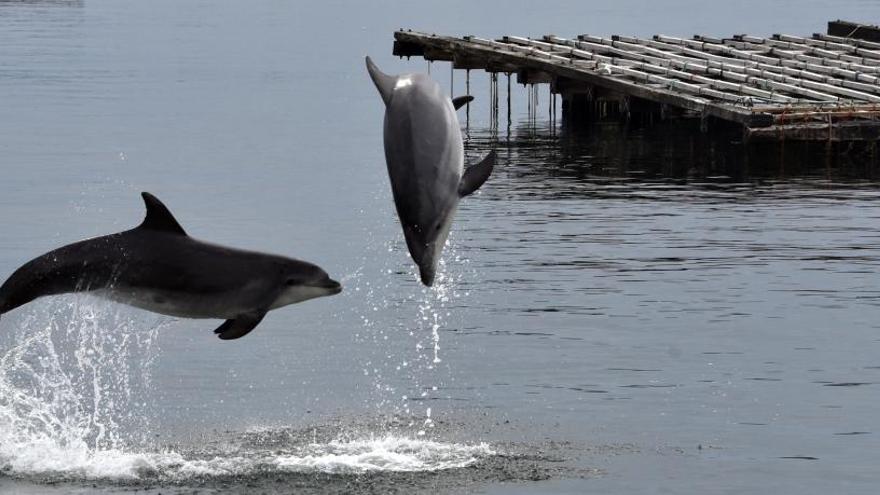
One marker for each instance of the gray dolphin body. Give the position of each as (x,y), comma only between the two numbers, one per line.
(425,158)
(158,267)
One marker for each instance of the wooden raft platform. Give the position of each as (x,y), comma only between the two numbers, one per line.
(818,88)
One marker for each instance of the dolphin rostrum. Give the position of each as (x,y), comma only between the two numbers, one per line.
(158,267)
(425,158)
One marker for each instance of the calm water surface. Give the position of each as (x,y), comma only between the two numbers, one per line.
(617,314)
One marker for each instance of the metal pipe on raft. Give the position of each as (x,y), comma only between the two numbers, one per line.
(508,102)
(529,104)
(493,99)
(491,110)
(452,79)
(467,84)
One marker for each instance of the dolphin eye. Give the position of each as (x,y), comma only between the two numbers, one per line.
(290,282)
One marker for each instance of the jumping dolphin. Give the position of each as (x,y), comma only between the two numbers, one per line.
(158,267)
(425,157)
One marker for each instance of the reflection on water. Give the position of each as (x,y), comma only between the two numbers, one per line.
(661,294)
(671,151)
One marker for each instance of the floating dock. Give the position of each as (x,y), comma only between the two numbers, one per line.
(823,87)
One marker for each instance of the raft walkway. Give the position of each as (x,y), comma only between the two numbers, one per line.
(818,88)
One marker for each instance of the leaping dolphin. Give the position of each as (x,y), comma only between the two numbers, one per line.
(158,267)
(425,158)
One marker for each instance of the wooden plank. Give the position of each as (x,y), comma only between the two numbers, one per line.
(761,57)
(737,48)
(870,85)
(809,70)
(639,75)
(864,92)
(791,48)
(740,91)
(784,75)
(779,82)
(523,45)
(672,83)
(750,76)
(829,75)
(741,58)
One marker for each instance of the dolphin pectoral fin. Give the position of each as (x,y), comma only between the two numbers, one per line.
(384,83)
(158,216)
(462,101)
(476,175)
(240,326)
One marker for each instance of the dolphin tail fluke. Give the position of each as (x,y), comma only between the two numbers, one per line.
(384,83)
(476,175)
(462,101)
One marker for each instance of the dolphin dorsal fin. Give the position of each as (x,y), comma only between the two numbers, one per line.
(461,101)
(384,83)
(158,217)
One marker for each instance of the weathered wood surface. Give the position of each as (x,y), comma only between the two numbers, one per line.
(790,85)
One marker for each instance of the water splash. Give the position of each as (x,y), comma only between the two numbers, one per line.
(74,405)
(73,383)
(401,324)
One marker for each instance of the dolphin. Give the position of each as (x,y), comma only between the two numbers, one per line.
(425,158)
(158,267)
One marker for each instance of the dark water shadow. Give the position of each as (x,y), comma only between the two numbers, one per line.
(675,153)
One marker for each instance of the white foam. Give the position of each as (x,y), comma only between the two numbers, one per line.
(395,454)
(47,458)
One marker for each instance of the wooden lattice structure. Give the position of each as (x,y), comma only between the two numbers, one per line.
(821,87)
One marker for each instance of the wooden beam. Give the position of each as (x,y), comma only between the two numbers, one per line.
(842,131)
(468,62)
(852,41)
(795,108)
(534,77)
(738,92)
(763,55)
(790,49)
(407,49)
(763,77)
(831,45)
